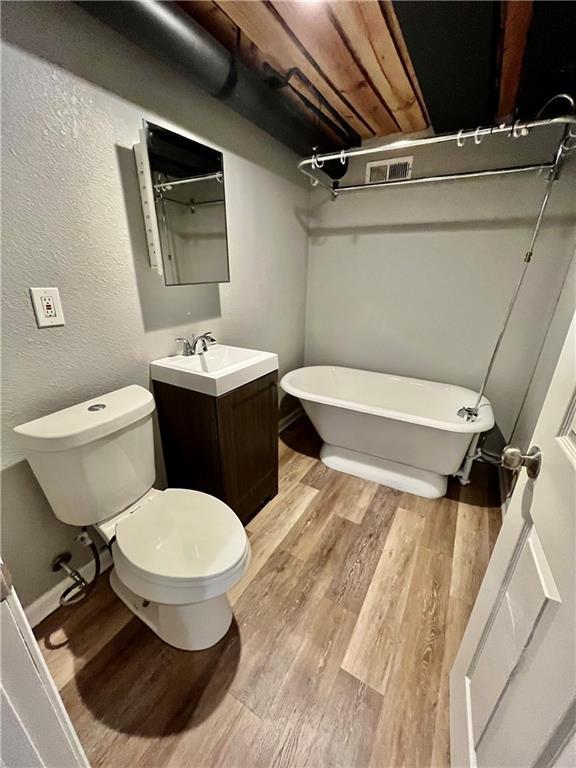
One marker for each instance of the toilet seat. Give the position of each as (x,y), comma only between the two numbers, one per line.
(182,546)
(182,535)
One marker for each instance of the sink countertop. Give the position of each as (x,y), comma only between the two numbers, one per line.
(219,370)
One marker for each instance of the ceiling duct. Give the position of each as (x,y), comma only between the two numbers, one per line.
(171,35)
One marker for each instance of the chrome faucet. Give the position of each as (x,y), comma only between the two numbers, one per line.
(186,346)
(204,339)
(191,348)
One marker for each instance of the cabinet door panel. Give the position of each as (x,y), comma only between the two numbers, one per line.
(248,429)
(188,425)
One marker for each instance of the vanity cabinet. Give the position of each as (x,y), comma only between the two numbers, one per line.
(226,446)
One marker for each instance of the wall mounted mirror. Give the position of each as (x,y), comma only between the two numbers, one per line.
(183,199)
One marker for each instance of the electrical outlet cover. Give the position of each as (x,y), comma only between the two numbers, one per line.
(47,307)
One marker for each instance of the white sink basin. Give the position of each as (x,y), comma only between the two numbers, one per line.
(215,372)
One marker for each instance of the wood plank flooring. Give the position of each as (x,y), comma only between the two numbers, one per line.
(346,626)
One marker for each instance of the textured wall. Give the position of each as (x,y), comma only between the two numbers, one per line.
(72,218)
(547,360)
(416,281)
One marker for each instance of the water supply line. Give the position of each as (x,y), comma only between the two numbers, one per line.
(470,413)
(80,588)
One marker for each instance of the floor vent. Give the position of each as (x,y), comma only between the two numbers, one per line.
(395,169)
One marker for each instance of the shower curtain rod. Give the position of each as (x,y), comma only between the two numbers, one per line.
(219,176)
(515,130)
(448,177)
(190,204)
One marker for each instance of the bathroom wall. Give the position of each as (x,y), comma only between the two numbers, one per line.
(547,359)
(415,281)
(74,95)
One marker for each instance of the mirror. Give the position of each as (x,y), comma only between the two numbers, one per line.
(183,199)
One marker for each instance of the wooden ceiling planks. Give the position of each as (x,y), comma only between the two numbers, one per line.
(371,88)
(223,29)
(313,25)
(350,61)
(387,9)
(516,18)
(265,29)
(365,30)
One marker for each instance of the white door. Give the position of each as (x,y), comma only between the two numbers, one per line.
(36,730)
(513,683)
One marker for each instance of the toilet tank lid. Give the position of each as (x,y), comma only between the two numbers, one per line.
(83,423)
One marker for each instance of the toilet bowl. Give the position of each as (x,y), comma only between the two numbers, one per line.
(176,552)
(175,556)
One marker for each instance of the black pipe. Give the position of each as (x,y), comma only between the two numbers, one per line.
(170,34)
(277,80)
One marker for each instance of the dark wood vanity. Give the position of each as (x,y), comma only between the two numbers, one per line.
(226,446)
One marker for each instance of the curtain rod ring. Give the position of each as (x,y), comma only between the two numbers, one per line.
(519,130)
(459,140)
(343,157)
(477,137)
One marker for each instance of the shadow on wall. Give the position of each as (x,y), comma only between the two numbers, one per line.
(319,234)
(161,306)
(22,497)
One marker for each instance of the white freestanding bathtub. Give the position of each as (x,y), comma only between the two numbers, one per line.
(397,431)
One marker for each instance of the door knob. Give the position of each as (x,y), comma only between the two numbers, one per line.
(514,459)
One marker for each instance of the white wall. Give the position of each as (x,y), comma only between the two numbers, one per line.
(547,359)
(72,218)
(415,281)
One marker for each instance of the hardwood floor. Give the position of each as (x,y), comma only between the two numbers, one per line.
(346,625)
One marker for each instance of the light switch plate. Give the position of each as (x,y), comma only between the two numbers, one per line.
(47,307)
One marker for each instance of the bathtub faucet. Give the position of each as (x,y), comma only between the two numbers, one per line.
(468,413)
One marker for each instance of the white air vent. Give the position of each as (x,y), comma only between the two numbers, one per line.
(395,169)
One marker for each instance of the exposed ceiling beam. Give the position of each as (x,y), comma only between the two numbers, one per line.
(516,18)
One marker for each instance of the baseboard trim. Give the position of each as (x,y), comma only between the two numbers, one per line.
(47,603)
(285,421)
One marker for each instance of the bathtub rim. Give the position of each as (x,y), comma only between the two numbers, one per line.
(484,423)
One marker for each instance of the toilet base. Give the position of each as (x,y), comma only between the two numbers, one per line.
(190,627)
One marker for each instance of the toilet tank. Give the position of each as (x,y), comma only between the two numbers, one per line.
(94,459)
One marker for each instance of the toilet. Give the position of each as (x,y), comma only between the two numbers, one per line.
(176,552)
